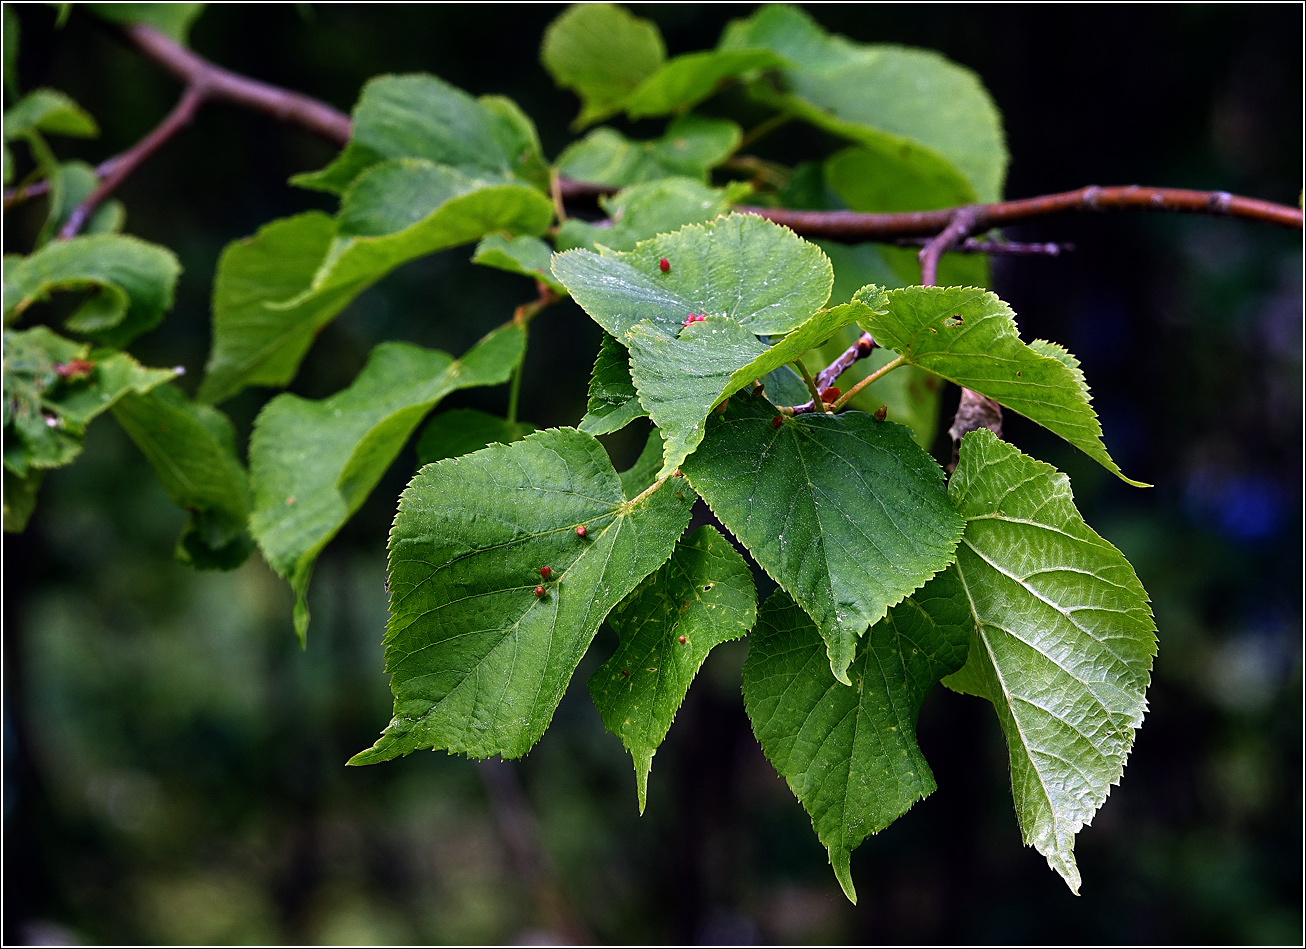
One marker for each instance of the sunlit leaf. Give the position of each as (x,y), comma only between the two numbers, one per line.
(1062,643)
(969,336)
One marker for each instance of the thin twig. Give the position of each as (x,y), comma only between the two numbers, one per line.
(852,225)
(874,377)
(864,346)
(37,188)
(218,83)
(133,158)
(555,191)
(957,230)
(974,245)
(763,128)
(811,386)
(974,410)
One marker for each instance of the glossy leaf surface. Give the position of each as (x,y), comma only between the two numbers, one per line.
(969,336)
(1062,643)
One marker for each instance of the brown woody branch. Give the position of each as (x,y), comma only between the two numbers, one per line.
(123,165)
(852,225)
(223,85)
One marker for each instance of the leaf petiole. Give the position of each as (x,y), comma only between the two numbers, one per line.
(884,370)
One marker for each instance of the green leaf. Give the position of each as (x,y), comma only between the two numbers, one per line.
(690,147)
(254,341)
(680,380)
(747,275)
(969,337)
(641,211)
(912,107)
(275,291)
(520,140)
(701,597)
(131,284)
(763,276)
(892,179)
(192,449)
(850,754)
(49,111)
(463,431)
(54,387)
(687,80)
(528,256)
(846,513)
(603,53)
(312,464)
(1062,643)
(77,181)
(421,116)
(909,395)
(400,210)
(171,19)
(20,498)
(613,401)
(478,662)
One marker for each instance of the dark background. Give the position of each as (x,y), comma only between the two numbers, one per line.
(174,764)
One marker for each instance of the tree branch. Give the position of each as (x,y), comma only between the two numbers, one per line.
(124,164)
(960,227)
(218,83)
(852,225)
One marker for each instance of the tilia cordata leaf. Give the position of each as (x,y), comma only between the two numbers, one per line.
(701,597)
(1062,641)
(845,512)
(849,753)
(693,329)
(969,337)
(482,640)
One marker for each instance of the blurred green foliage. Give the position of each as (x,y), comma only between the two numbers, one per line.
(174,764)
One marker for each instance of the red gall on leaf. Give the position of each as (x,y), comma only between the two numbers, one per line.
(881,413)
(540,591)
(777,421)
(683,640)
(663,265)
(74,369)
(581,531)
(626,673)
(694,318)
(546,572)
